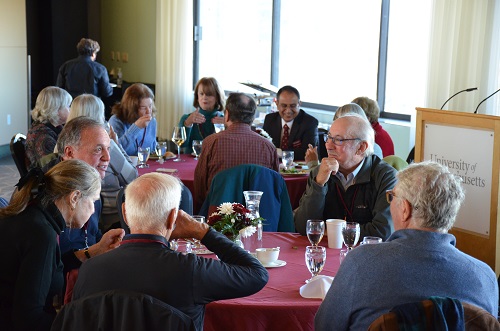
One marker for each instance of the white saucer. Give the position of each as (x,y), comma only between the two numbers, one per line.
(277,264)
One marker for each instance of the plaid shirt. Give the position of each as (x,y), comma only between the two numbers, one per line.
(236,145)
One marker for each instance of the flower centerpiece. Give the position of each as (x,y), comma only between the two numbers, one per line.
(264,134)
(234,220)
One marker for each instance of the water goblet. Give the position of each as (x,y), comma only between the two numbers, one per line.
(179,137)
(219,127)
(315,260)
(142,156)
(371,240)
(350,234)
(196,243)
(315,230)
(197,148)
(287,159)
(161,149)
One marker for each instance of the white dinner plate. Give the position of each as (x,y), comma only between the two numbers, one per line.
(202,252)
(277,264)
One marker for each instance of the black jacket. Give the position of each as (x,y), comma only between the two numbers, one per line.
(304,131)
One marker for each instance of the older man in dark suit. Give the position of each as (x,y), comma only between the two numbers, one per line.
(291,128)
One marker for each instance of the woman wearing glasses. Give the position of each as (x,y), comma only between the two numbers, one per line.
(351,182)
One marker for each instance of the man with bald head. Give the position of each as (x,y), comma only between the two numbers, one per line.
(351,182)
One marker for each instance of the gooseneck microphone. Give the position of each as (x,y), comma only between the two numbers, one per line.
(466,90)
(489,96)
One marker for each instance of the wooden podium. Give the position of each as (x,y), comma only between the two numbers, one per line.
(469,144)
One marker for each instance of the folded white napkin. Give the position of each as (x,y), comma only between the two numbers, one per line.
(317,287)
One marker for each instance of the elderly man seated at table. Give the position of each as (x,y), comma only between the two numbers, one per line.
(291,127)
(419,260)
(145,263)
(83,138)
(351,182)
(236,145)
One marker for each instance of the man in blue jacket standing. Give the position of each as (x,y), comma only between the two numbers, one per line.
(84,75)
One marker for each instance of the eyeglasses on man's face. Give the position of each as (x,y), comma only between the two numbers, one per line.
(390,195)
(337,140)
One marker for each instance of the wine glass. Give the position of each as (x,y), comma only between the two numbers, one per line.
(350,234)
(197,148)
(219,127)
(196,243)
(315,260)
(161,149)
(287,159)
(178,137)
(315,230)
(142,156)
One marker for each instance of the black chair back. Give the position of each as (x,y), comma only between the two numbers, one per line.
(18,152)
(121,310)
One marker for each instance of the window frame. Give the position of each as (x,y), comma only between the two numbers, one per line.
(274,72)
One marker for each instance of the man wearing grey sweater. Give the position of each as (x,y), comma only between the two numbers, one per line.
(418,260)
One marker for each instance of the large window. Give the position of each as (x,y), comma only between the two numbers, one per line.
(331,50)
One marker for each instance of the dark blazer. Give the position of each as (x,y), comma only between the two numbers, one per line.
(304,131)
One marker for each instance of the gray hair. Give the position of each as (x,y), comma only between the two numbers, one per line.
(359,127)
(72,132)
(149,200)
(48,103)
(87,105)
(241,108)
(434,192)
(350,108)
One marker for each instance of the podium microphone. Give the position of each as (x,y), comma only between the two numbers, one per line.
(489,96)
(466,90)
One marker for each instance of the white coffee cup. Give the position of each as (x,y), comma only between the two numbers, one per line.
(268,255)
(334,233)
(134,160)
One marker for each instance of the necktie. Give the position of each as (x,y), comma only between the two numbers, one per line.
(284,140)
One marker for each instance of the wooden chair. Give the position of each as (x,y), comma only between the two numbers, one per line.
(426,317)
(18,152)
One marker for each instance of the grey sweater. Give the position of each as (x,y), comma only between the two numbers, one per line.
(411,266)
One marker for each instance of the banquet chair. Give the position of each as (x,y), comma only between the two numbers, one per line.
(275,207)
(18,152)
(186,204)
(120,310)
(436,313)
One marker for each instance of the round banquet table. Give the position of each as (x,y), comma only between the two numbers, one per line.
(278,306)
(296,185)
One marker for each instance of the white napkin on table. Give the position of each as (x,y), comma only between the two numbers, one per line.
(317,287)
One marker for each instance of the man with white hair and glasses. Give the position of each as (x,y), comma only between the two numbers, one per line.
(351,182)
(418,261)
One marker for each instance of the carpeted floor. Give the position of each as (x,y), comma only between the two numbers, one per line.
(9,176)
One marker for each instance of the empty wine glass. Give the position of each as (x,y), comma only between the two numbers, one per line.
(219,127)
(350,234)
(315,260)
(287,159)
(142,156)
(196,243)
(161,149)
(197,148)
(371,240)
(315,230)
(179,137)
